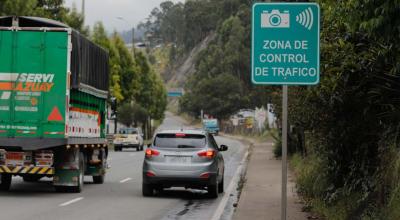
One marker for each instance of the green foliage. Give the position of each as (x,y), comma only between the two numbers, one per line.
(187,24)
(226,55)
(132,114)
(352,117)
(99,36)
(216,96)
(53,9)
(126,114)
(152,95)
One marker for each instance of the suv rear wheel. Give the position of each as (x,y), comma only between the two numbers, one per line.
(212,190)
(221,186)
(147,190)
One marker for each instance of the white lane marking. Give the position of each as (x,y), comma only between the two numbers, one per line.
(109,159)
(125,180)
(235,179)
(70,202)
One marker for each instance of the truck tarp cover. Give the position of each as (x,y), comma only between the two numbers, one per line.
(89,62)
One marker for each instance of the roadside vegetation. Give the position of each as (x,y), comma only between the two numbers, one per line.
(344,136)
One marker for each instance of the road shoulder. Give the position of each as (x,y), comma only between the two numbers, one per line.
(261,194)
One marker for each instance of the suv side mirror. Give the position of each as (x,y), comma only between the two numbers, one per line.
(223,148)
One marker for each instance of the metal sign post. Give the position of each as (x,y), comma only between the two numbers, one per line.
(284,150)
(285,51)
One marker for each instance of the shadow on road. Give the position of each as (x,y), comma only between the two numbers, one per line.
(183,194)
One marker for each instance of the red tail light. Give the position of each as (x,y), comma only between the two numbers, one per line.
(205,175)
(207,153)
(180,135)
(151,152)
(150,174)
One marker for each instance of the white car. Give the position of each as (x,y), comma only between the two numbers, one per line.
(128,138)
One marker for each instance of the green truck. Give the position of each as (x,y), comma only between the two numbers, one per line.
(53,95)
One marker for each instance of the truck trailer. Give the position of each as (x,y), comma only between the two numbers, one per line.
(53,95)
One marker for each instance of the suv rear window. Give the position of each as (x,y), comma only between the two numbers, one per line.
(180,141)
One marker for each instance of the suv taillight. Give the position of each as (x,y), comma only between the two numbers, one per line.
(207,153)
(151,152)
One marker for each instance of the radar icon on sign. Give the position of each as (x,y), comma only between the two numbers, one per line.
(306,18)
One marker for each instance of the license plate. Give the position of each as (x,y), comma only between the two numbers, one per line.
(178,159)
(15,156)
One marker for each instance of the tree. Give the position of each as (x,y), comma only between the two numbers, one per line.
(18,7)
(152,94)
(126,114)
(219,96)
(128,70)
(99,36)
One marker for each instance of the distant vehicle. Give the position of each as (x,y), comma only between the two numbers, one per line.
(184,158)
(128,138)
(211,126)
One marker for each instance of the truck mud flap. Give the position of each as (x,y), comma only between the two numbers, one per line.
(27,170)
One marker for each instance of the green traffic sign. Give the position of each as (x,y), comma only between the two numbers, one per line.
(285,43)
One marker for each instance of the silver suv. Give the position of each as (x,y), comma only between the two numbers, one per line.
(184,158)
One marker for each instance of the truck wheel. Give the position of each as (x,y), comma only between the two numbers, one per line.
(147,190)
(5,182)
(79,187)
(61,189)
(98,179)
(31,178)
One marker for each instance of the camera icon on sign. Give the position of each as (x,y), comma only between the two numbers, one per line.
(275,19)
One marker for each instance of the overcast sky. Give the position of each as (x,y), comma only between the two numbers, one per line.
(107,11)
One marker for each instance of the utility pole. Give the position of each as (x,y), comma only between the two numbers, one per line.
(83,8)
(133,43)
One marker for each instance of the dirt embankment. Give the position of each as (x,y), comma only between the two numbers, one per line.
(185,67)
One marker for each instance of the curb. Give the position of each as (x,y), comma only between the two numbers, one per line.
(233,184)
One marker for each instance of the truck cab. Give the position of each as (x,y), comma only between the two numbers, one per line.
(211,126)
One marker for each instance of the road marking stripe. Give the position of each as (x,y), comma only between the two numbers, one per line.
(70,202)
(125,180)
(221,207)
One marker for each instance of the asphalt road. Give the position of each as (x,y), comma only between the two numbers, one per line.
(120,197)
